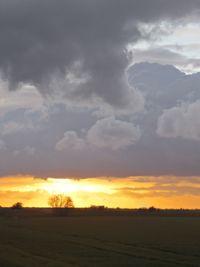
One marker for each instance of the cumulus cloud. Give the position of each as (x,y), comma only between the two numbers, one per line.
(70,141)
(181,121)
(112,133)
(95,147)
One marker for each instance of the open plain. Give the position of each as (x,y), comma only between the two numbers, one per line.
(99,241)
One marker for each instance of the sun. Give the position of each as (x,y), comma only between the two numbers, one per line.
(58,186)
(53,185)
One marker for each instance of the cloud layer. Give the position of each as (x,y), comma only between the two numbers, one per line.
(71,105)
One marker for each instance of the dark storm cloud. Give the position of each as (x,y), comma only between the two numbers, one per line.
(41,39)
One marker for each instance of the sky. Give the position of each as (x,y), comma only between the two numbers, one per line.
(102,95)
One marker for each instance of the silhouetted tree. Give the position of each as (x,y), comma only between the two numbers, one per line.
(60,201)
(152,209)
(17,205)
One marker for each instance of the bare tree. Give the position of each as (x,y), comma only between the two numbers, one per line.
(17,205)
(60,201)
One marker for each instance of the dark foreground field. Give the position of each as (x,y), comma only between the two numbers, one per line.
(99,241)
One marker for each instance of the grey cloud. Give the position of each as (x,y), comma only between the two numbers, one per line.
(2,145)
(70,141)
(27,150)
(13,127)
(74,98)
(117,146)
(112,133)
(44,38)
(181,121)
(159,55)
(164,86)
(165,55)
(26,97)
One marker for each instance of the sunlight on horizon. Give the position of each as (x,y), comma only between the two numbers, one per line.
(68,185)
(129,192)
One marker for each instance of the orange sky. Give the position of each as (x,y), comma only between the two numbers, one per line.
(131,192)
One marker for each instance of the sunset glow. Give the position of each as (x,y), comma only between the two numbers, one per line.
(130,192)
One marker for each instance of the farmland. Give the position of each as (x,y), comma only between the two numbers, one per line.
(99,241)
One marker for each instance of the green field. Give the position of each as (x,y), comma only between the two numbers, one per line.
(99,241)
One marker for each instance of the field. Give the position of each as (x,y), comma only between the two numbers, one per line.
(99,241)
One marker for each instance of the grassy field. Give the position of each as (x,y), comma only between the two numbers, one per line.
(99,241)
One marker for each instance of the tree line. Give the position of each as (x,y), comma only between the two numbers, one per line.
(54,201)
